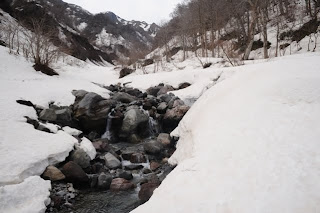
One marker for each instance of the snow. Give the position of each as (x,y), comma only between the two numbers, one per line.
(28,197)
(87,146)
(25,151)
(82,26)
(72,131)
(249,144)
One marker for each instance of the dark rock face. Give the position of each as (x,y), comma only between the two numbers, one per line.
(153,147)
(146,191)
(74,173)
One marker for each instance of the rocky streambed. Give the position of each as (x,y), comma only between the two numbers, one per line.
(124,145)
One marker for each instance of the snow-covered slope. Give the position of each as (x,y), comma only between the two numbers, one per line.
(250,144)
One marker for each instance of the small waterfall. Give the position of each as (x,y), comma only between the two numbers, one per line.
(108,133)
(153,125)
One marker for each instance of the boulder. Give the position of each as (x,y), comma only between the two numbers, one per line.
(121,184)
(125,71)
(53,173)
(173,116)
(164,139)
(184,85)
(123,97)
(154,165)
(104,181)
(111,161)
(48,115)
(74,173)
(165,89)
(91,110)
(152,147)
(135,121)
(146,191)
(101,145)
(162,108)
(80,157)
(138,158)
(133,167)
(126,175)
(153,90)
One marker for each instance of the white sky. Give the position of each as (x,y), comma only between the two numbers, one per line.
(140,10)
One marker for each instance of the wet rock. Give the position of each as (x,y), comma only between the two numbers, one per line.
(152,147)
(81,158)
(164,139)
(111,161)
(53,173)
(133,167)
(134,121)
(64,117)
(126,175)
(154,165)
(147,105)
(101,145)
(146,191)
(120,184)
(74,173)
(138,158)
(91,110)
(104,181)
(166,97)
(173,116)
(146,171)
(93,179)
(162,108)
(133,92)
(124,97)
(134,139)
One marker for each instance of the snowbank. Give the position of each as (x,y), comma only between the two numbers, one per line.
(28,197)
(250,144)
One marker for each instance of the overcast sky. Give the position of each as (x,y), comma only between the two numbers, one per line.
(140,10)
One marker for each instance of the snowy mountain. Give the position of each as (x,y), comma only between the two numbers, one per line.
(86,35)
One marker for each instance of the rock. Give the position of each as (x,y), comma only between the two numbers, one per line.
(134,120)
(153,90)
(166,97)
(146,171)
(133,167)
(125,71)
(80,157)
(123,97)
(146,191)
(147,62)
(126,175)
(154,165)
(44,69)
(104,181)
(93,180)
(164,139)
(91,110)
(173,116)
(64,116)
(152,147)
(184,85)
(101,145)
(53,173)
(120,184)
(162,108)
(177,102)
(147,105)
(74,173)
(133,92)
(48,115)
(138,158)
(111,161)
(134,139)
(165,89)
